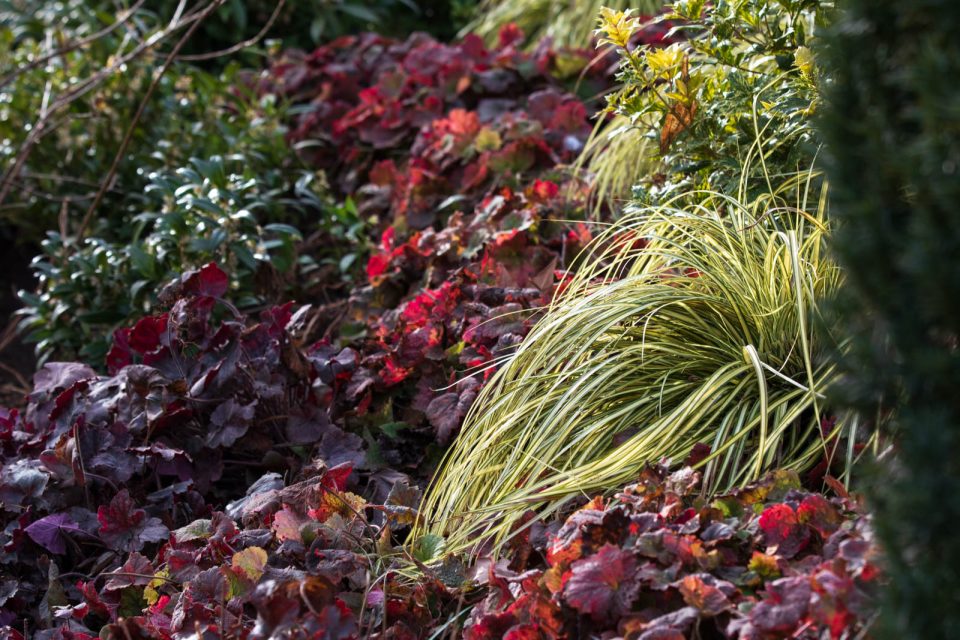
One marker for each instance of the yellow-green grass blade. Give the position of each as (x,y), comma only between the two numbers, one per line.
(640,361)
(568,23)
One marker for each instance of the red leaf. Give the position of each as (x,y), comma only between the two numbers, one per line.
(603,585)
(124,527)
(149,334)
(523,632)
(377,266)
(782,529)
(699,591)
(817,512)
(207,281)
(509,35)
(336,477)
(491,626)
(120,354)
(544,190)
(393,373)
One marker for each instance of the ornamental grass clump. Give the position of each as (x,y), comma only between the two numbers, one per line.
(690,327)
(567,24)
(618,156)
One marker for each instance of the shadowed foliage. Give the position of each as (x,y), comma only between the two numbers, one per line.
(894,140)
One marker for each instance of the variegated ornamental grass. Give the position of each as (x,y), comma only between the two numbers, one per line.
(694,324)
(567,24)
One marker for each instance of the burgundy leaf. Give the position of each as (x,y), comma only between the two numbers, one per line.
(603,585)
(783,607)
(819,513)
(124,527)
(229,422)
(120,354)
(208,281)
(149,334)
(137,570)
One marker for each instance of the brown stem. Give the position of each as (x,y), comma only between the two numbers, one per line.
(40,128)
(71,47)
(111,173)
(240,45)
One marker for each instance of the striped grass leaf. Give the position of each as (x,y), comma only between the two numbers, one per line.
(704,335)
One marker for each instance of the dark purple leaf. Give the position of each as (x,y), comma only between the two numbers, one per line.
(339,447)
(229,422)
(307,426)
(104,452)
(124,527)
(54,376)
(49,532)
(260,495)
(446,412)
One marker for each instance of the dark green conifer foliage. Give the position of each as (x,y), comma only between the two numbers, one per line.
(892,127)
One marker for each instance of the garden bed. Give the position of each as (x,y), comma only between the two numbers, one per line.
(249,458)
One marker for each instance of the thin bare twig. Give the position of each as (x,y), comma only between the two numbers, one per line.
(240,45)
(7,79)
(23,386)
(80,89)
(105,184)
(9,333)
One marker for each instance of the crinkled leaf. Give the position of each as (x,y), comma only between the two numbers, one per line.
(19,480)
(124,527)
(286,525)
(603,585)
(699,591)
(819,513)
(196,530)
(210,280)
(782,529)
(136,571)
(251,562)
(229,422)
